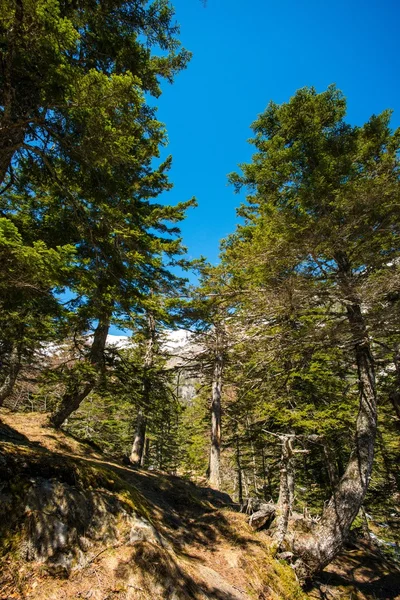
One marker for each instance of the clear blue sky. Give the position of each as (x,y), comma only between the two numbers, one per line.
(247,53)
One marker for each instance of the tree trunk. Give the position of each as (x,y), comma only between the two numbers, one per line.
(215,448)
(12,133)
(394,395)
(13,369)
(317,549)
(138,445)
(145,454)
(330,464)
(239,472)
(395,400)
(286,489)
(77,390)
(11,139)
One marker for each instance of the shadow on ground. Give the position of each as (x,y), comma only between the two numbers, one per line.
(192,521)
(197,526)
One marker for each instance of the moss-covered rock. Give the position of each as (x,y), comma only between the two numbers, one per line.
(53,508)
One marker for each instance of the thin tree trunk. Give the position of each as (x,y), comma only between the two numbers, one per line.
(286,490)
(77,390)
(141,421)
(215,448)
(10,141)
(264,467)
(394,395)
(239,472)
(330,464)
(136,456)
(145,454)
(318,549)
(13,369)
(253,456)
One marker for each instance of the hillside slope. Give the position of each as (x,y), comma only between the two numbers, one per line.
(75,525)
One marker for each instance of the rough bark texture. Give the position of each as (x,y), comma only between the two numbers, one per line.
(317,549)
(9,144)
(215,448)
(13,369)
(77,390)
(136,457)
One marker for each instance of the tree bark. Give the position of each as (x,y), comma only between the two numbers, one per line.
(13,369)
(394,395)
(136,456)
(330,464)
(77,390)
(145,454)
(286,489)
(11,138)
(12,133)
(214,476)
(239,471)
(138,445)
(317,549)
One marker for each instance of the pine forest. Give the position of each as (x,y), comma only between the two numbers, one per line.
(173,425)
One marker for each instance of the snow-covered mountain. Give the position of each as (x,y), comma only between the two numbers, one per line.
(175,340)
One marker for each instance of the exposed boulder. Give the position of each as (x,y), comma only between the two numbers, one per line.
(49,519)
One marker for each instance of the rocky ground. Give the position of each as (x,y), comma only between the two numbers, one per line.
(75,525)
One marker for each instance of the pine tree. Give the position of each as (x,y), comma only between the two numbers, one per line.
(323,212)
(61,60)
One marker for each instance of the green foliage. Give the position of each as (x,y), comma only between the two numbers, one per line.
(79,147)
(321,193)
(30,314)
(65,65)
(194,435)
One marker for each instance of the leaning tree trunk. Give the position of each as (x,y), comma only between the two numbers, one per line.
(317,549)
(77,390)
(136,456)
(14,367)
(214,476)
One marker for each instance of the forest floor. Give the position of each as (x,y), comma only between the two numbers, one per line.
(202,547)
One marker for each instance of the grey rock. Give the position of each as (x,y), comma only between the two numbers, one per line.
(143,531)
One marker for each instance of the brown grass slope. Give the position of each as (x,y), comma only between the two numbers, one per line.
(75,525)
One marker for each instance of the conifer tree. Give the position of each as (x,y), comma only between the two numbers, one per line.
(54,55)
(323,212)
(92,185)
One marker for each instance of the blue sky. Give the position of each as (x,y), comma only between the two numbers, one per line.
(247,53)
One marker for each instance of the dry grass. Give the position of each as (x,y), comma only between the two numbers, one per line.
(208,549)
